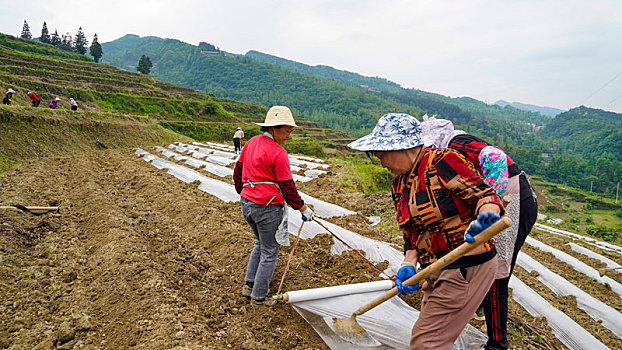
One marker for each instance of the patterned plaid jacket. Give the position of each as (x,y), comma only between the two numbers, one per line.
(436,202)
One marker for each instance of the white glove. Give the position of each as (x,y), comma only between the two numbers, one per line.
(307,215)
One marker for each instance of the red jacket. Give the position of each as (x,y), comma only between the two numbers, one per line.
(33,97)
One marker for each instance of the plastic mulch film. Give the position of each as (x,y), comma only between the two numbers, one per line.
(212,168)
(588,240)
(375,251)
(226,191)
(577,264)
(219,156)
(599,311)
(203,155)
(582,250)
(310,163)
(215,152)
(222,190)
(220,146)
(565,329)
(390,323)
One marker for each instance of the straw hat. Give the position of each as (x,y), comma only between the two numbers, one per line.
(279,115)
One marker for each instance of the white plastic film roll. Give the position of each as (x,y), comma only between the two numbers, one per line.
(329,292)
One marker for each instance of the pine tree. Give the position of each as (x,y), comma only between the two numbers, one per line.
(66,42)
(144,65)
(80,42)
(96,49)
(55,39)
(45,34)
(26,31)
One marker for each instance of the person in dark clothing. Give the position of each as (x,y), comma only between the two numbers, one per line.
(8,97)
(237,139)
(522,209)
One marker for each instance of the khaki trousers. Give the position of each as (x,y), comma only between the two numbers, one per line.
(449,302)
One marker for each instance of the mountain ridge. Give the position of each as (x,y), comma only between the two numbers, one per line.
(549,111)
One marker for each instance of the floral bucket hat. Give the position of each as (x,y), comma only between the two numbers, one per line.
(393,132)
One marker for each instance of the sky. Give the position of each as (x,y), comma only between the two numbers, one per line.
(556,53)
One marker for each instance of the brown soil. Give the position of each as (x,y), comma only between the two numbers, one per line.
(559,242)
(568,305)
(136,258)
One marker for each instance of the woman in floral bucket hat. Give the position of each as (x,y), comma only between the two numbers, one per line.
(263,178)
(504,175)
(441,202)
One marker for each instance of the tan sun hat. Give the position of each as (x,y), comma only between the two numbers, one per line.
(279,115)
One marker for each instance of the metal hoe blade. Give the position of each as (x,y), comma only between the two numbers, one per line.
(348,329)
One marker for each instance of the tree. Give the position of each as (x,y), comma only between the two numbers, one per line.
(144,65)
(67,42)
(96,49)
(55,39)
(26,31)
(80,42)
(45,34)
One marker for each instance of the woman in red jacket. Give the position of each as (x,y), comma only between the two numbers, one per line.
(263,178)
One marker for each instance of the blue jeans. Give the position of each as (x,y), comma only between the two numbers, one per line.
(263,220)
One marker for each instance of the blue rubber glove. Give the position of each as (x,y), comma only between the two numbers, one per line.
(404,273)
(484,220)
(307,215)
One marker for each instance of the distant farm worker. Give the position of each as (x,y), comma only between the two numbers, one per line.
(74,104)
(441,202)
(508,179)
(54,103)
(34,99)
(263,179)
(8,97)
(237,139)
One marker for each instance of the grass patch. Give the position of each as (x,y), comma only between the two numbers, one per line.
(364,175)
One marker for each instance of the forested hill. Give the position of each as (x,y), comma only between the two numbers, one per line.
(430,102)
(586,131)
(344,106)
(322,94)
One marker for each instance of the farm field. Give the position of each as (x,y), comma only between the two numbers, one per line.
(138,258)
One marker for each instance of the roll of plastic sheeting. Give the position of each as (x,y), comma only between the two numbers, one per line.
(335,291)
(390,322)
(589,240)
(599,311)
(582,250)
(565,329)
(577,264)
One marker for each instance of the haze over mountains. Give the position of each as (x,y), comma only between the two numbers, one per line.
(550,111)
(352,103)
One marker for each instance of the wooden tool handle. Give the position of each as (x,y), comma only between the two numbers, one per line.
(452,256)
(29,208)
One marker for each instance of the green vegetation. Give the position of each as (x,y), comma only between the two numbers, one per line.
(117,108)
(581,211)
(582,144)
(364,175)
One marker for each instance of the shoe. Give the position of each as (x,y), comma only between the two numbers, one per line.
(246,291)
(267,301)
